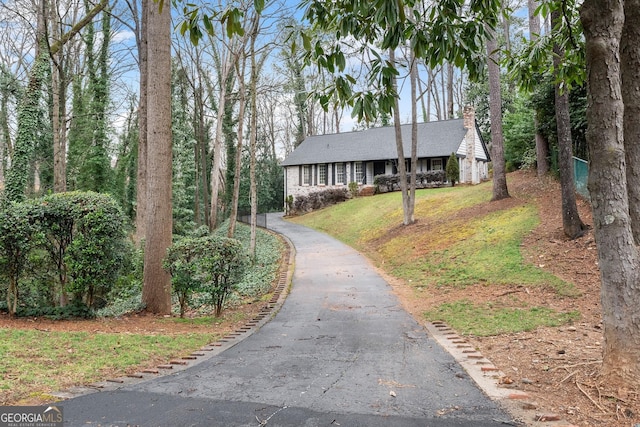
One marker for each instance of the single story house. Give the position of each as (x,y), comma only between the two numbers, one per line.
(335,160)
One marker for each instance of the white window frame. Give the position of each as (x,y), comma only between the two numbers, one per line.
(359,172)
(437,162)
(306,175)
(340,174)
(322,174)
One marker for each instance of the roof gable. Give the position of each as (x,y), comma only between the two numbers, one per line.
(435,139)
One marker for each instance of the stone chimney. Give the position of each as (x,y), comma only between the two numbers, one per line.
(469,116)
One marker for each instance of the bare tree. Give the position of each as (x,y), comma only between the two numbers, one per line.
(571,223)
(500,190)
(542,145)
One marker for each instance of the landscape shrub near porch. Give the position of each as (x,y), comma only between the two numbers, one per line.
(318,200)
(387,183)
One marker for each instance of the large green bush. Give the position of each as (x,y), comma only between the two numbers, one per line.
(212,264)
(387,183)
(97,250)
(319,199)
(17,238)
(221,267)
(79,236)
(182,263)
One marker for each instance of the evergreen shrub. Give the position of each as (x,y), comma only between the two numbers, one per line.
(80,236)
(318,200)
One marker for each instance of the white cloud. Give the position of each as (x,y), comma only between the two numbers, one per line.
(123,36)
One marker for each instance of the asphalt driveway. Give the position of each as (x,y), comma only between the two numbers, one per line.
(340,352)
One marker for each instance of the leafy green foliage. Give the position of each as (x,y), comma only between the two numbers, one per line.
(230,17)
(221,267)
(319,199)
(543,102)
(270,184)
(184,159)
(258,277)
(79,236)
(98,249)
(535,57)
(28,121)
(125,173)
(453,169)
(519,136)
(75,310)
(181,262)
(451,30)
(432,178)
(353,189)
(17,238)
(213,264)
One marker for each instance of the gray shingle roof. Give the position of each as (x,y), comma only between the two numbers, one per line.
(435,139)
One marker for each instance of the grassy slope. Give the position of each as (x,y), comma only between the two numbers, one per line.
(460,240)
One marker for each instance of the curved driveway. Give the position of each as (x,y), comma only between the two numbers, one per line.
(340,352)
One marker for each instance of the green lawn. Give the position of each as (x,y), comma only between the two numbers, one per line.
(35,362)
(459,240)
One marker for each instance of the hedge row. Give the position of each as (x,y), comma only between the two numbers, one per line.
(79,236)
(386,183)
(317,200)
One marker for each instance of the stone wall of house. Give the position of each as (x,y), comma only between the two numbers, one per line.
(292,182)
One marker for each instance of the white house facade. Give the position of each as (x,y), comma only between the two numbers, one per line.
(335,160)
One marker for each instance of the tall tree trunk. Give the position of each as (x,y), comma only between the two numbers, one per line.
(443,87)
(407,209)
(253,138)
(156,290)
(571,223)
(506,27)
(542,145)
(58,114)
(204,162)
(216,167)
(630,69)
(413,80)
(141,177)
(428,93)
(618,256)
(500,190)
(236,178)
(425,117)
(197,120)
(59,137)
(227,64)
(450,91)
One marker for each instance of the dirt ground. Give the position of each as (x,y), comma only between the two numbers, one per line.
(557,367)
